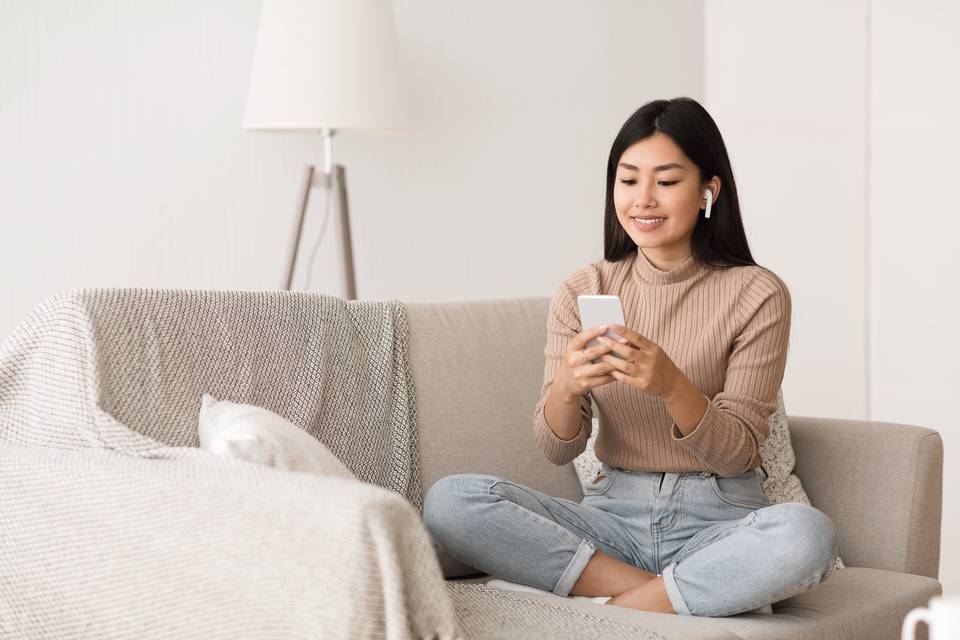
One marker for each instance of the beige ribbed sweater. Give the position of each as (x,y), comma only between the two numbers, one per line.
(726,330)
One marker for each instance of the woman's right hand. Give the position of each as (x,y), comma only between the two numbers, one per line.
(577,374)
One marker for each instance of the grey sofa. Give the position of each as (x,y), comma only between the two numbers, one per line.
(478,369)
(114,524)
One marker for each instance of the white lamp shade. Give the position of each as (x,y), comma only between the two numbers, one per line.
(326,64)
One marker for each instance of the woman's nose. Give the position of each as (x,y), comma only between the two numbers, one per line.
(644,201)
(644,197)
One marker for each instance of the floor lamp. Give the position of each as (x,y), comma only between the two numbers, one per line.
(326,66)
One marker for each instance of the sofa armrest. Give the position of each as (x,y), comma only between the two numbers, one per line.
(97,544)
(881,483)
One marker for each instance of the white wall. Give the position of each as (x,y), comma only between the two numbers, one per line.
(914,258)
(843,127)
(123,161)
(792,119)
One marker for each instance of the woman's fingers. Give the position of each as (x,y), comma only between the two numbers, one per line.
(580,340)
(595,352)
(598,380)
(619,364)
(633,338)
(619,348)
(587,356)
(598,369)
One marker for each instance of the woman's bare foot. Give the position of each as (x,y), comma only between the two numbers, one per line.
(606,576)
(649,596)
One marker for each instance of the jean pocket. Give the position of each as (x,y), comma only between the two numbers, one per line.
(745,490)
(601,483)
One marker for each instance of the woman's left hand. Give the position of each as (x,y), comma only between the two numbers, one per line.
(644,364)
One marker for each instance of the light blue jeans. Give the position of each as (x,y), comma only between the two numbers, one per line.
(719,544)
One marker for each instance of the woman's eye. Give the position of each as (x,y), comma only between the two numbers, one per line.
(662,182)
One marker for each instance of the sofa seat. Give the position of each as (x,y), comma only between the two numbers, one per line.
(854,603)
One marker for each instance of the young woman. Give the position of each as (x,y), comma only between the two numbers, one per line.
(676,521)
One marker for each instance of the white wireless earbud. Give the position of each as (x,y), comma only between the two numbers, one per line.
(708,194)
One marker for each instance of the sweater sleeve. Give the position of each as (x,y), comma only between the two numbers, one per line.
(727,439)
(563,323)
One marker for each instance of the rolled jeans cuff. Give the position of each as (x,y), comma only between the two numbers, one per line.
(571,574)
(673,592)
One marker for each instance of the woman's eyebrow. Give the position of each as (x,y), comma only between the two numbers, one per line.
(662,167)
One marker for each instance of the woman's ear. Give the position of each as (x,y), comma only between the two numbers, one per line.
(714,185)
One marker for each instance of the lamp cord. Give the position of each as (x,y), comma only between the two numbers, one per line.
(323,229)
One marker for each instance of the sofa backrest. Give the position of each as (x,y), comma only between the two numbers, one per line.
(478,367)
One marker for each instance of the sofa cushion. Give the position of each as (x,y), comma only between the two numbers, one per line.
(854,604)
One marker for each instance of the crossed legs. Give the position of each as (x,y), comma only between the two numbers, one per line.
(522,535)
(529,537)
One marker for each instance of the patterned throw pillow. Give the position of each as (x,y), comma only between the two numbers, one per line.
(776,452)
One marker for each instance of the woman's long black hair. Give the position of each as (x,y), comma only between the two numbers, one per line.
(719,242)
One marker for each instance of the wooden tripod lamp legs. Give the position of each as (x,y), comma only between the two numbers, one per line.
(337,178)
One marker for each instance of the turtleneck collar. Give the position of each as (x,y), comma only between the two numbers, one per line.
(644,269)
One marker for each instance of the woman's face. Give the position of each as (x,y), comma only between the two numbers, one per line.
(655,179)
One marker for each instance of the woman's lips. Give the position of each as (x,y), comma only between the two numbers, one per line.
(646,226)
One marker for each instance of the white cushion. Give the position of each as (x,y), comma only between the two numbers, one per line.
(255,434)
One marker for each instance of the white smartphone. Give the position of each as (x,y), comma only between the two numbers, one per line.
(596,310)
